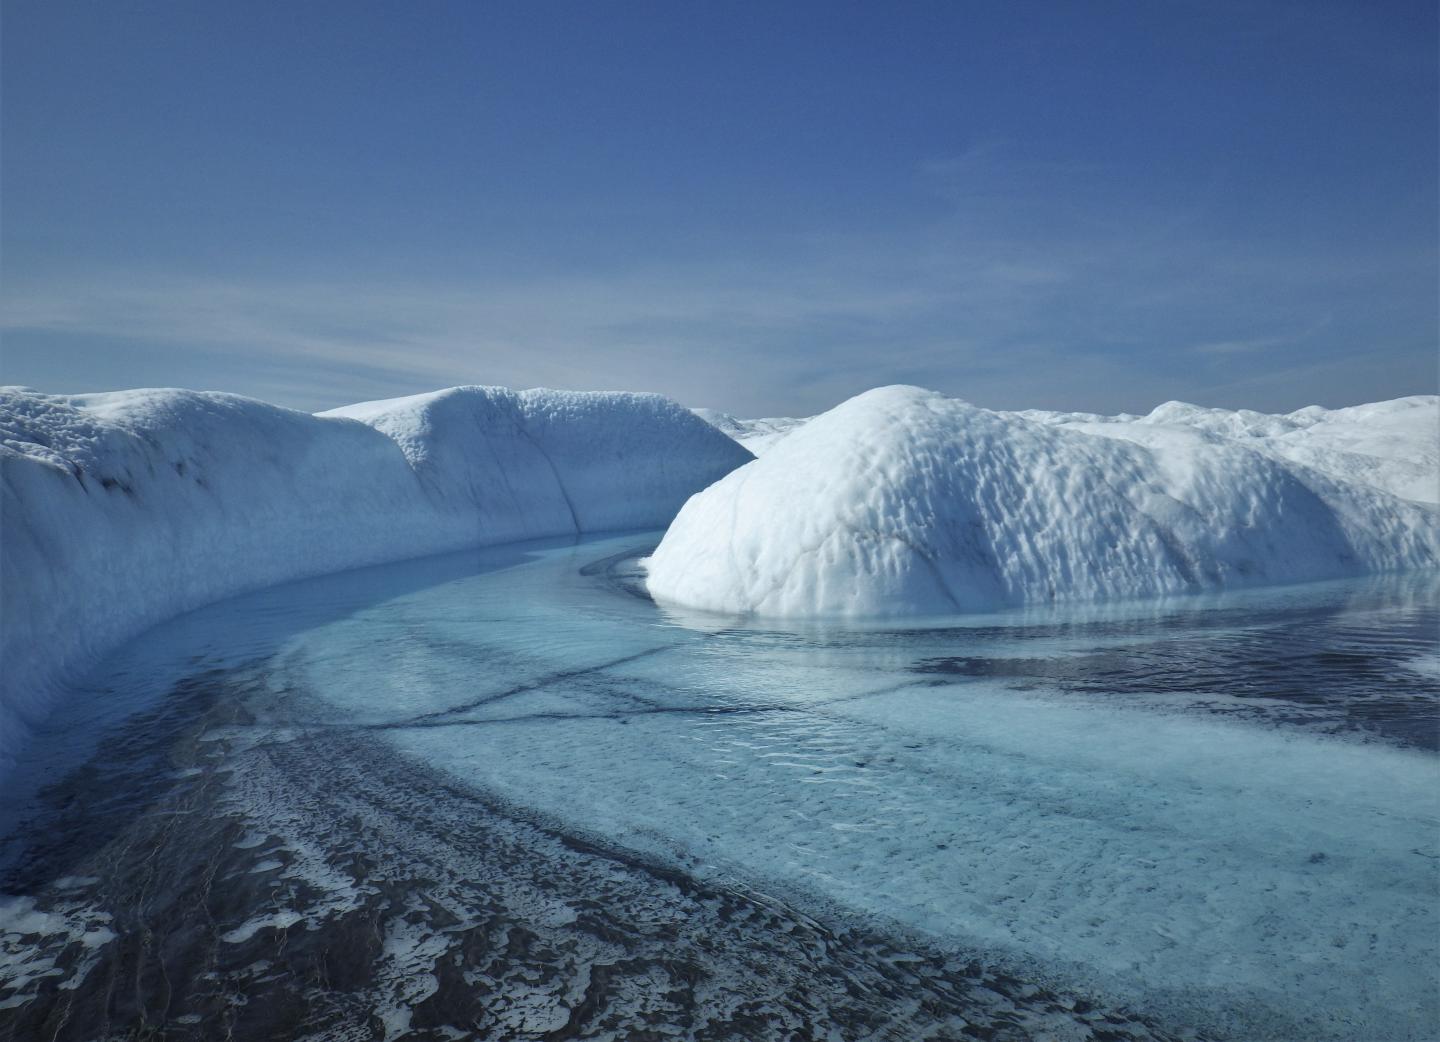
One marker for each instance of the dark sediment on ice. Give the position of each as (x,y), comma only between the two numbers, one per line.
(216,872)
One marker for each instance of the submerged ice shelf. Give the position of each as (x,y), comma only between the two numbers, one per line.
(1213,864)
(323,883)
(1056,791)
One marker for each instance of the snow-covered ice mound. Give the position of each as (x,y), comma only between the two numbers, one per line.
(901,501)
(123,509)
(540,462)
(1394,446)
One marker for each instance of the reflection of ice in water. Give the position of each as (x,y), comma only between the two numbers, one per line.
(1068,791)
(1139,846)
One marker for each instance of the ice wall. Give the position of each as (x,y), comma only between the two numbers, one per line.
(901,501)
(119,510)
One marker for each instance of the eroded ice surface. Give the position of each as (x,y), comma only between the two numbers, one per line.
(120,510)
(901,501)
(1221,813)
(1393,446)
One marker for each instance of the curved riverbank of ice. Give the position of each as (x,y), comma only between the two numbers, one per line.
(1200,814)
(122,509)
(901,501)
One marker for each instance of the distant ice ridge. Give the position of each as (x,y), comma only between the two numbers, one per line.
(759,436)
(1394,446)
(122,509)
(901,501)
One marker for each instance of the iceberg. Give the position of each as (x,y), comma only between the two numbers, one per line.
(122,509)
(903,502)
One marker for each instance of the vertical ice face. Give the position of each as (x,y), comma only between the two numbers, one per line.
(901,501)
(122,509)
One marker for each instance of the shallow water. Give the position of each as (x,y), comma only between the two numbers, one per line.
(1215,817)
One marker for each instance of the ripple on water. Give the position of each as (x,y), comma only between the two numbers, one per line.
(1223,812)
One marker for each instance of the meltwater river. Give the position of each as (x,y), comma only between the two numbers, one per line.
(502,794)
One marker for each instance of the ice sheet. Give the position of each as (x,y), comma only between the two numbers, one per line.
(1233,870)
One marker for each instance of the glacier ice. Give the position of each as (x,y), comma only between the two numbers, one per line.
(901,501)
(122,509)
(1394,446)
(1224,870)
(756,435)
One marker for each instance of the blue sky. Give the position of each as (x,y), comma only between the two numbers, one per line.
(763,207)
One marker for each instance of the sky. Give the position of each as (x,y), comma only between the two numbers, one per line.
(763,208)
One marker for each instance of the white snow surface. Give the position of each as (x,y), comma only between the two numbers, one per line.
(759,436)
(901,501)
(119,510)
(1394,446)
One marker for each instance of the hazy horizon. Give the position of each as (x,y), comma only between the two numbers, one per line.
(758,210)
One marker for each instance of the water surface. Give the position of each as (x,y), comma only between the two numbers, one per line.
(476,782)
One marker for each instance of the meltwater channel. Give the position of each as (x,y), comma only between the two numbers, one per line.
(502,794)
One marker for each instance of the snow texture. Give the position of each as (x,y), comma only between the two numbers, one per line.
(901,501)
(759,436)
(1394,446)
(122,509)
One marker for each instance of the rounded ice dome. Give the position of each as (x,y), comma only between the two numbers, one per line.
(902,501)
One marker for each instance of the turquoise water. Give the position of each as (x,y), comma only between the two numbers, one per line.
(1221,813)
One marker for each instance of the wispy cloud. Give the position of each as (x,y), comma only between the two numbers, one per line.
(1033,284)
(1254,344)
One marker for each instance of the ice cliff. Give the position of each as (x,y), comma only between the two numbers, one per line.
(119,510)
(901,501)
